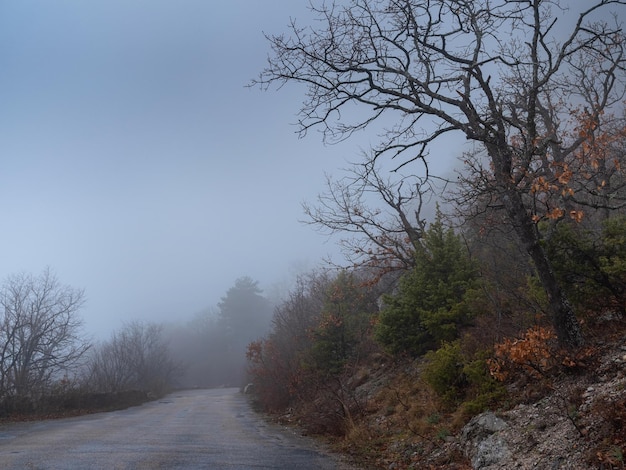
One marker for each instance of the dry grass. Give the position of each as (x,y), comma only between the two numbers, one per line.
(405,423)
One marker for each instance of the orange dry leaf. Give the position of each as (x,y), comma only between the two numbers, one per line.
(576,215)
(565,177)
(555,213)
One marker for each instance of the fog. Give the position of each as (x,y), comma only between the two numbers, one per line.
(137,165)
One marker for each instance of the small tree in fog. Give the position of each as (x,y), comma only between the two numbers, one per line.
(213,345)
(244,315)
(40,332)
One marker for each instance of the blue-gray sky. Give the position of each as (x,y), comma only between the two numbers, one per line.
(137,165)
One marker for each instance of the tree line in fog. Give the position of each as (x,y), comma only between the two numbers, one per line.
(44,353)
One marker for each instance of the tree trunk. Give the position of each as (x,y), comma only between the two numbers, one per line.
(563,317)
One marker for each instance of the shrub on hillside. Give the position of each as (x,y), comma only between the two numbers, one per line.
(459,380)
(591,264)
(533,355)
(434,300)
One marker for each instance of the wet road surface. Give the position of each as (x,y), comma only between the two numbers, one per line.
(198,429)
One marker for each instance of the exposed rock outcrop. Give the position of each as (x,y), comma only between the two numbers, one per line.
(482,441)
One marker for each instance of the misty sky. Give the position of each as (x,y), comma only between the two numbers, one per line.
(137,165)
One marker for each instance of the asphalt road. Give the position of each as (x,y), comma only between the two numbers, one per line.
(199,429)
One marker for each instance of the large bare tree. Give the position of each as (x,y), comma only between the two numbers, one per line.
(506,74)
(40,332)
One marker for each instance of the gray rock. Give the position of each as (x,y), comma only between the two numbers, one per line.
(482,426)
(480,439)
(489,451)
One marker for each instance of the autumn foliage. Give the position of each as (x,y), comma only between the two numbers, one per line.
(532,355)
(576,184)
(535,355)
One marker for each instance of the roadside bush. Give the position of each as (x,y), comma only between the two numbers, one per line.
(343,326)
(271,373)
(275,363)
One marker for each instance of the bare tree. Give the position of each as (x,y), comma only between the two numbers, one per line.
(40,332)
(495,71)
(383,239)
(109,367)
(136,358)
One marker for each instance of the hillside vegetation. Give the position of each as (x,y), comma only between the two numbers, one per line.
(394,367)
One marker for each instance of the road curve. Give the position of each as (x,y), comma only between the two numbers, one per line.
(198,429)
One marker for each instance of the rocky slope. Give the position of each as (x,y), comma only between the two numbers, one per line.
(580,423)
(574,419)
